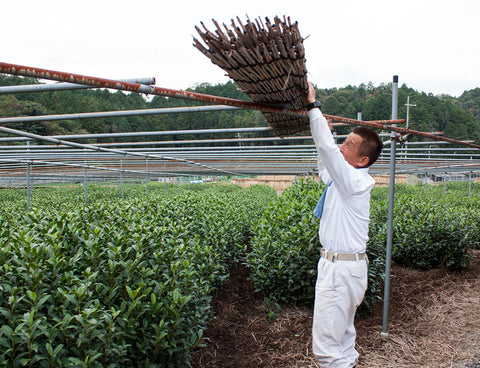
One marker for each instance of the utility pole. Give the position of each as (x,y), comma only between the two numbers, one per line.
(408,110)
(407,120)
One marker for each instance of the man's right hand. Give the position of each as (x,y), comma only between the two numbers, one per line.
(310,97)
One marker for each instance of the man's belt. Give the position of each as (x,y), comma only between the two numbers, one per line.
(333,256)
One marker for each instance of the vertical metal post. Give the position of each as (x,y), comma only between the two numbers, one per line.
(469,183)
(388,260)
(85,183)
(85,178)
(445,183)
(165,177)
(146,176)
(28,186)
(121,177)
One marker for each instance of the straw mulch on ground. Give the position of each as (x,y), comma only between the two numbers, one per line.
(267,61)
(434,321)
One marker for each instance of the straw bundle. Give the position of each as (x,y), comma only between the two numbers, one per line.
(267,61)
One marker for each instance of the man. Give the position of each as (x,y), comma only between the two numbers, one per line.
(342,268)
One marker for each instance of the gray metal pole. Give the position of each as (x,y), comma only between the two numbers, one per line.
(388,260)
(469,183)
(28,186)
(85,183)
(116,114)
(62,86)
(121,177)
(149,134)
(146,175)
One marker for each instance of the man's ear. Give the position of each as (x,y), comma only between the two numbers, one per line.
(364,160)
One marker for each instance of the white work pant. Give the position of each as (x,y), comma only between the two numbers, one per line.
(339,291)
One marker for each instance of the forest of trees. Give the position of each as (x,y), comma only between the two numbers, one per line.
(458,117)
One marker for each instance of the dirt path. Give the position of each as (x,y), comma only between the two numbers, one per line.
(434,321)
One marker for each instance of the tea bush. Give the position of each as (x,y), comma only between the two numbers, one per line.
(285,247)
(125,282)
(434,228)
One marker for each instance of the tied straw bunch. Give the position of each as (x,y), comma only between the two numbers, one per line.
(266,61)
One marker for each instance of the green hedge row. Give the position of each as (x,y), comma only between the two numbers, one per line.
(118,283)
(433,227)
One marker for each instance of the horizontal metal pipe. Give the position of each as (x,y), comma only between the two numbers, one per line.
(114,114)
(144,134)
(160,143)
(58,150)
(62,151)
(58,163)
(61,86)
(170,132)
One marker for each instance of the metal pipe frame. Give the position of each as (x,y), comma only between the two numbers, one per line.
(195,157)
(33,72)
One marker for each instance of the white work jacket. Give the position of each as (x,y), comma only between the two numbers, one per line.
(346,213)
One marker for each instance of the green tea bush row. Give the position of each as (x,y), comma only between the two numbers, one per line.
(285,247)
(15,199)
(433,228)
(118,283)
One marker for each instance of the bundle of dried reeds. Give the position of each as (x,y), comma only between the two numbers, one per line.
(267,61)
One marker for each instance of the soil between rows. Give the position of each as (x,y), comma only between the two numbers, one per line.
(434,321)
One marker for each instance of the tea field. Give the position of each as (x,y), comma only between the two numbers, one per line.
(128,278)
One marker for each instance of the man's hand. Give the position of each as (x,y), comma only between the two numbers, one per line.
(310,97)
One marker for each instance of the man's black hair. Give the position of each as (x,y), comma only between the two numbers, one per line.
(372,144)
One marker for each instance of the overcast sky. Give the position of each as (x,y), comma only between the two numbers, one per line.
(432,45)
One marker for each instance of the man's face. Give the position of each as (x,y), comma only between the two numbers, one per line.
(350,148)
